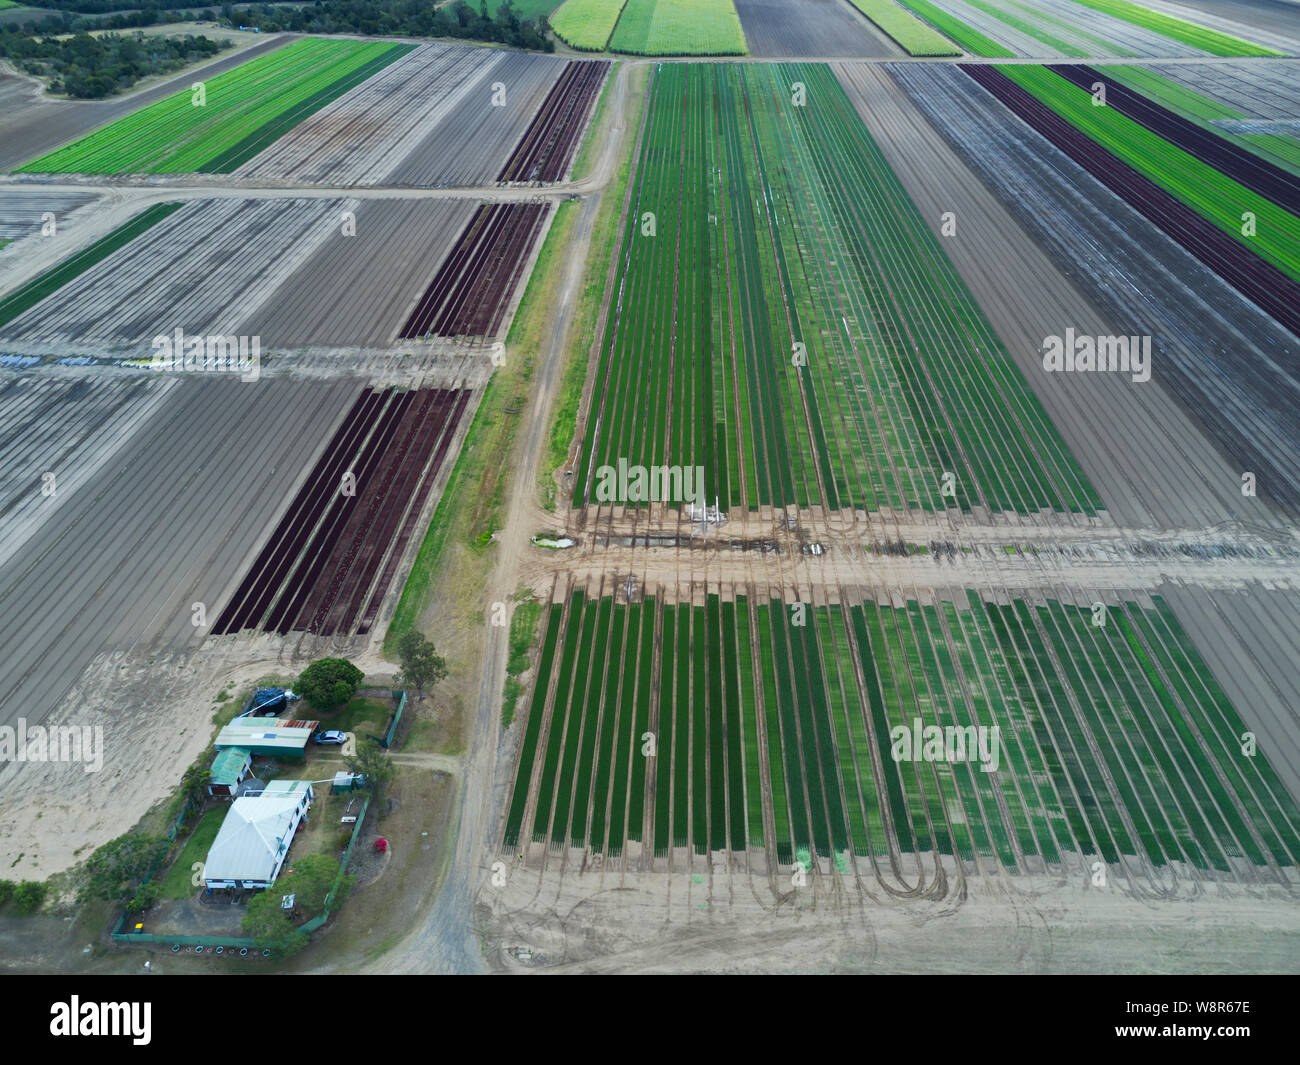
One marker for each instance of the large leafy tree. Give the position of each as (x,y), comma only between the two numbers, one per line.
(310,882)
(328,683)
(268,925)
(422,666)
(373,764)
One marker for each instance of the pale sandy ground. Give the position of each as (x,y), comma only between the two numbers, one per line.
(658,923)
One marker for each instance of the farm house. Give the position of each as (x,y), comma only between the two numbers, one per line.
(255,837)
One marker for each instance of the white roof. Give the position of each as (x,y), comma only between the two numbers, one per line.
(253,837)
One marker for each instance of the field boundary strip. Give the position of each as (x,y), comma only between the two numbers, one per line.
(55,278)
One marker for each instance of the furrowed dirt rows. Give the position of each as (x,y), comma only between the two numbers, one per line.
(297,273)
(410,124)
(1141,280)
(329,564)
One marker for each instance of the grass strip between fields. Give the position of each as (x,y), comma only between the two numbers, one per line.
(52,280)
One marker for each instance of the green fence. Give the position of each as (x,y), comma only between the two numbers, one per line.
(399,705)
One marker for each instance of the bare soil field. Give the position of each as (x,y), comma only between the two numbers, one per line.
(356,291)
(298,273)
(92,576)
(1241,18)
(717,921)
(22,210)
(793,28)
(409,124)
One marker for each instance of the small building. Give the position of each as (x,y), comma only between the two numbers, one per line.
(283,739)
(344,781)
(229,768)
(254,840)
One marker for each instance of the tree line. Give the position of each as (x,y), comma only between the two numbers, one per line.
(90,68)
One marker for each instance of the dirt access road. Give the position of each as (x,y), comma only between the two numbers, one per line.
(446,940)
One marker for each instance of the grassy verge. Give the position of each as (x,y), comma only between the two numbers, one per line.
(52,280)
(177,883)
(574,372)
(470,508)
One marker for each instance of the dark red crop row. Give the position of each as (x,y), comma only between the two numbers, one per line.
(546,148)
(472,289)
(1250,274)
(317,573)
(1243,166)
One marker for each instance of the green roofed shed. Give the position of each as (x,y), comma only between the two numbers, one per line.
(229,768)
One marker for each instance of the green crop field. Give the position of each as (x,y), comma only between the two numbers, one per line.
(586,24)
(910,33)
(30,294)
(1280,149)
(953,28)
(679,27)
(1027,27)
(780,228)
(747,723)
(528,9)
(1207,190)
(244,110)
(1208,40)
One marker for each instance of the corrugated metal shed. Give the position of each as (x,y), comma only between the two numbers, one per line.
(258,737)
(230,765)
